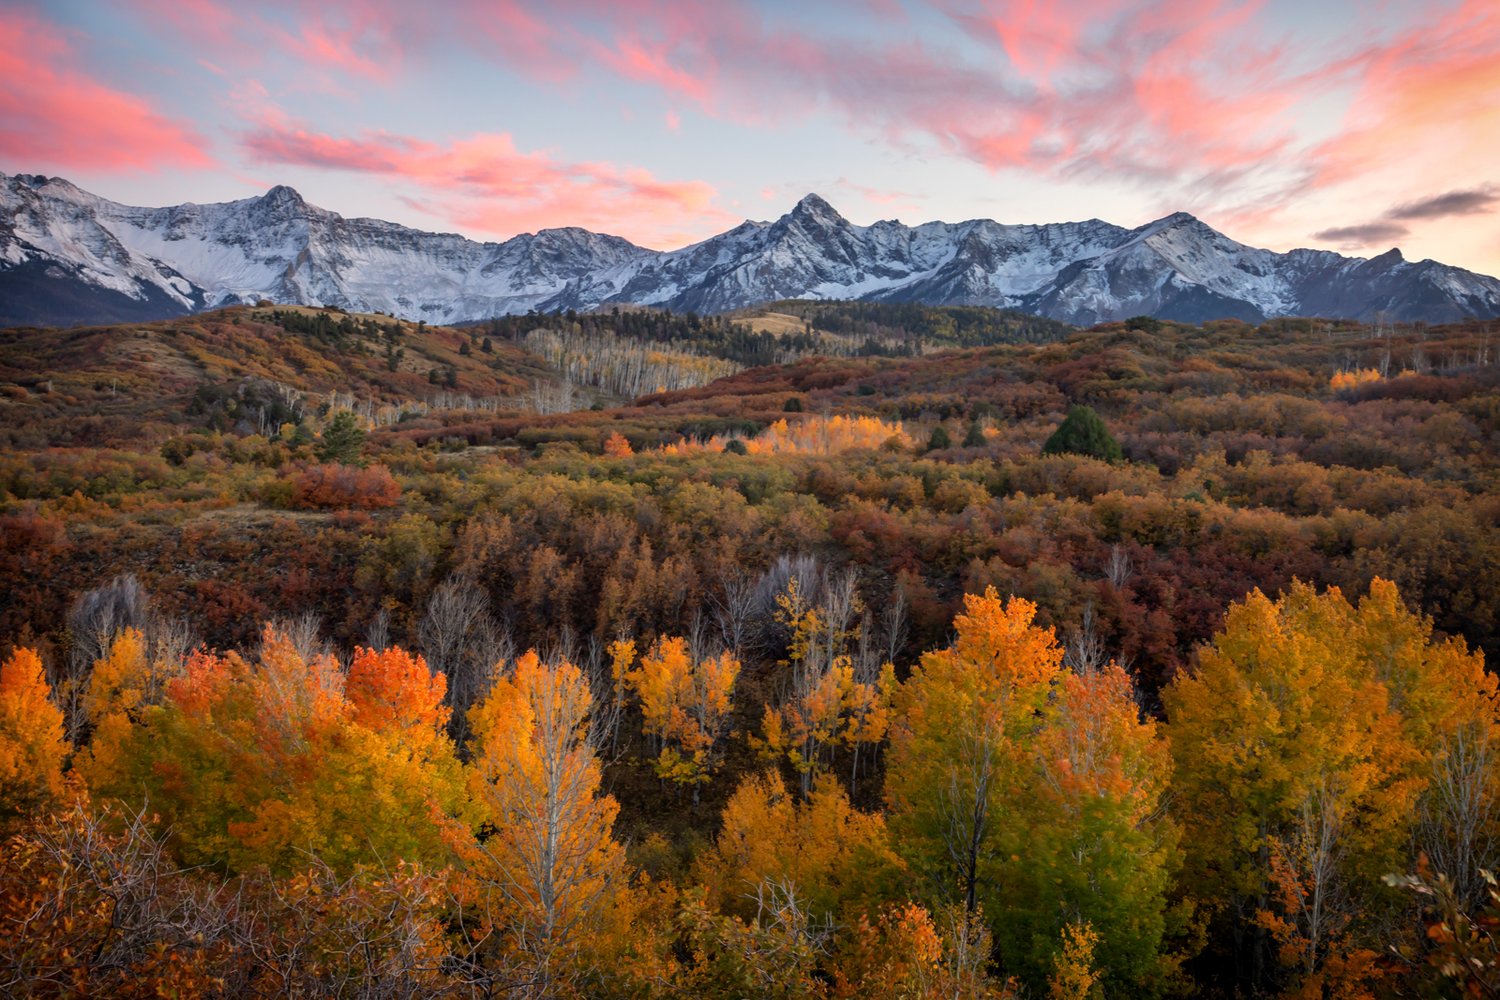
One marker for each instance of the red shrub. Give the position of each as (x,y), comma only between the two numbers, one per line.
(343,486)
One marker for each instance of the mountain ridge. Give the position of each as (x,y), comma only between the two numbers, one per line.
(68,256)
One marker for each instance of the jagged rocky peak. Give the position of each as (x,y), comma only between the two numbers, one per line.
(1178,221)
(284,197)
(814,206)
(284,192)
(53,187)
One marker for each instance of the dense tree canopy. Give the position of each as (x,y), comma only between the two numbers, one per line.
(740,688)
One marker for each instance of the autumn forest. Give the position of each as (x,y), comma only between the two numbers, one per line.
(823,650)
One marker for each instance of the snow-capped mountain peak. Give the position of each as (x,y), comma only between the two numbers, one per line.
(68,256)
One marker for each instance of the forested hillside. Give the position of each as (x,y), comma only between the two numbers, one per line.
(348,656)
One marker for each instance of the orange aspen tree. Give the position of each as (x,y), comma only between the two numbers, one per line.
(616,446)
(32,746)
(550,863)
(268,761)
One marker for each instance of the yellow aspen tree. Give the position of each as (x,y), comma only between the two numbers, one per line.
(836,856)
(1450,712)
(1100,848)
(1074,976)
(686,708)
(961,736)
(126,682)
(621,654)
(1287,711)
(807,721)
(866,711)
(121,680)
(1036,792)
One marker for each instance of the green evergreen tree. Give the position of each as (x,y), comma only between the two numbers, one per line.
(341,439)
(975,437)
(1083,433)
(939,439)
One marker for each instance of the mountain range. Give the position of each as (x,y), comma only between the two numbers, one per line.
(68,257)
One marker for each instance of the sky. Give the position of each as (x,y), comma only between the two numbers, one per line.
(1355,125)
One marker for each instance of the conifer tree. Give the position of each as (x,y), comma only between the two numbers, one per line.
(1082,432)
(341,439)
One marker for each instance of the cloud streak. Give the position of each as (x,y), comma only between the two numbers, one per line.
(1357,237)
(1472,202)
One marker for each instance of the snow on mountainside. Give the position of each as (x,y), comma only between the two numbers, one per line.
(67,257)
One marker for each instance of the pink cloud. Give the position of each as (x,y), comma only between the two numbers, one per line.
(331,48)
(485,183)
(1435,87)
(368,40)
(1163,91)
(651,63)
(1041,36)
(54,113)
